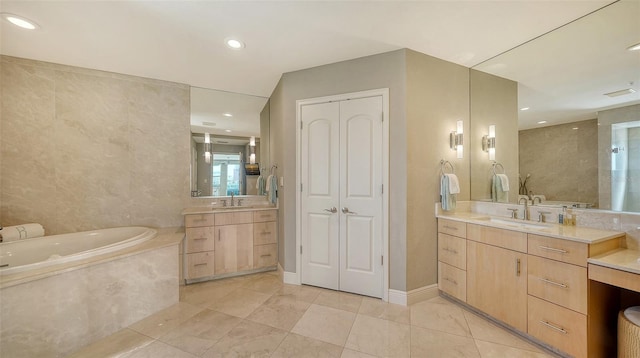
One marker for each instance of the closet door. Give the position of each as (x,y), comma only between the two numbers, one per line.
(361,196)
(320,197)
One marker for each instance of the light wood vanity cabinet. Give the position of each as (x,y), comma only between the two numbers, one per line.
(230,242)
(452,258)
(497,273)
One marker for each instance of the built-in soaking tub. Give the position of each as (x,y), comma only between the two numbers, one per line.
(62,292)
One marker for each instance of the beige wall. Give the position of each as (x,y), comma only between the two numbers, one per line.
(494,100)
(437,96)
(379,71)
(84,149)
(562,161)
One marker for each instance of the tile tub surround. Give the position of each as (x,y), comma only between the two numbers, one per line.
(116,151)
(52,314)
(293,321)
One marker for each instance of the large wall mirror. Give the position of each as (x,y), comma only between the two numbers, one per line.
(229,142)
(578,113)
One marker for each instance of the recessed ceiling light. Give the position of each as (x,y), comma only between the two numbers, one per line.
(635,47)
(542,122)
(20,21)
(228,130)
(524,108)
(574,128)
(227,114)
(234,43)
(621,92)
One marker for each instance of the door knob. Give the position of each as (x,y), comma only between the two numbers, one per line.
(345,210)
(332,210)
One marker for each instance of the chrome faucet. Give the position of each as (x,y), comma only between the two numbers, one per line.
(232,199)
(541,215)
(525,214)
(539,200)
(239,202)
(514,213)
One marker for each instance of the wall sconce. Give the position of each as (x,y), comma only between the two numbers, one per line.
(252,150)
(207,148)
(489,142)
(456,139)
(252,141)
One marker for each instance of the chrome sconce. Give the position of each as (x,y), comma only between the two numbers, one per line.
(207,148)
(252,150)
(489,142)
(456,139)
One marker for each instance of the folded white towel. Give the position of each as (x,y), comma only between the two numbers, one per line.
(25,231)
(454,184)
(504,180)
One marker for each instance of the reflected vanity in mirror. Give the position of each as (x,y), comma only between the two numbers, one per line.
(577,110)
(229,142)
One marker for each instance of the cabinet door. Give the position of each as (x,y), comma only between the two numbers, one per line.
(233,248)
(497,283)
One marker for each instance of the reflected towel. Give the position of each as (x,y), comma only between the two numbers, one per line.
(504,180)
(272,188)
(26,231)
(498,194)
(447,199)
(261,185)
(454,184)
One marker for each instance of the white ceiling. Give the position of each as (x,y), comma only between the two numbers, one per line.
(182,41)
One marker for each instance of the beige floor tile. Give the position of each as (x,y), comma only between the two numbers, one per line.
(248,339)
(280,312)
(204,293)
(441,300)
(441,317)
(340,300)
(300,292)
(484,330)
(326,324)
(122,342)
(494,350)
(239,303)
(199,333)
(158,349)
(379,337)
(348,353)
(295,346)
(264,283)
(162,322)
(377,308)
(431,343)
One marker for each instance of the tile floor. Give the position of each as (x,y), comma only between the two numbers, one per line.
(259,316)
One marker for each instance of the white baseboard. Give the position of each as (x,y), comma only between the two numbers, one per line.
(290,278)
(414,296)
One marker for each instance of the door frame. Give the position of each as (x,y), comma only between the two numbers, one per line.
(384,92)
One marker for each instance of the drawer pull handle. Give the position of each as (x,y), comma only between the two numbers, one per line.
(450,227)
(553,282)
(198,220)
(554,249)
(266,255)
(517,267)
(553,326)
(266,233)
(450,280)
(450,250)
(200,238)
(202,264)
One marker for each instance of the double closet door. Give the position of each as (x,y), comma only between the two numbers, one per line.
(342,205)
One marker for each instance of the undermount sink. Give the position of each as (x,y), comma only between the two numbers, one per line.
(520,224)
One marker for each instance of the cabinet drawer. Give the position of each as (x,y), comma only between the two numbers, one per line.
(265,255)
(558,326)
(200,264)
(455,228)
(199,239)
(265,233)
(265,215)
(243,217)
(559,283)
(507,239)
(199,220)
(452,250)
(452,281)
(557,249)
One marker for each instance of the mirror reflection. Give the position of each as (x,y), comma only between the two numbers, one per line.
(227,150)
(578,99)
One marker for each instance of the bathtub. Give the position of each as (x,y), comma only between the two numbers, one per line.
(60,293)
(29,254)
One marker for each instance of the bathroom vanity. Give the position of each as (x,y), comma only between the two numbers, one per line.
(530,277)
(223,242)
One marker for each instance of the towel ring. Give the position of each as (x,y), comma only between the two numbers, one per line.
(495,164)
(443,167)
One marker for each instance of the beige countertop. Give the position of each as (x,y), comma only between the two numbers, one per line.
(572,233)
(621,259)
(227,209)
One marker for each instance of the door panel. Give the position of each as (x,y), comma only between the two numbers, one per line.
(359,255)
(320,232)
